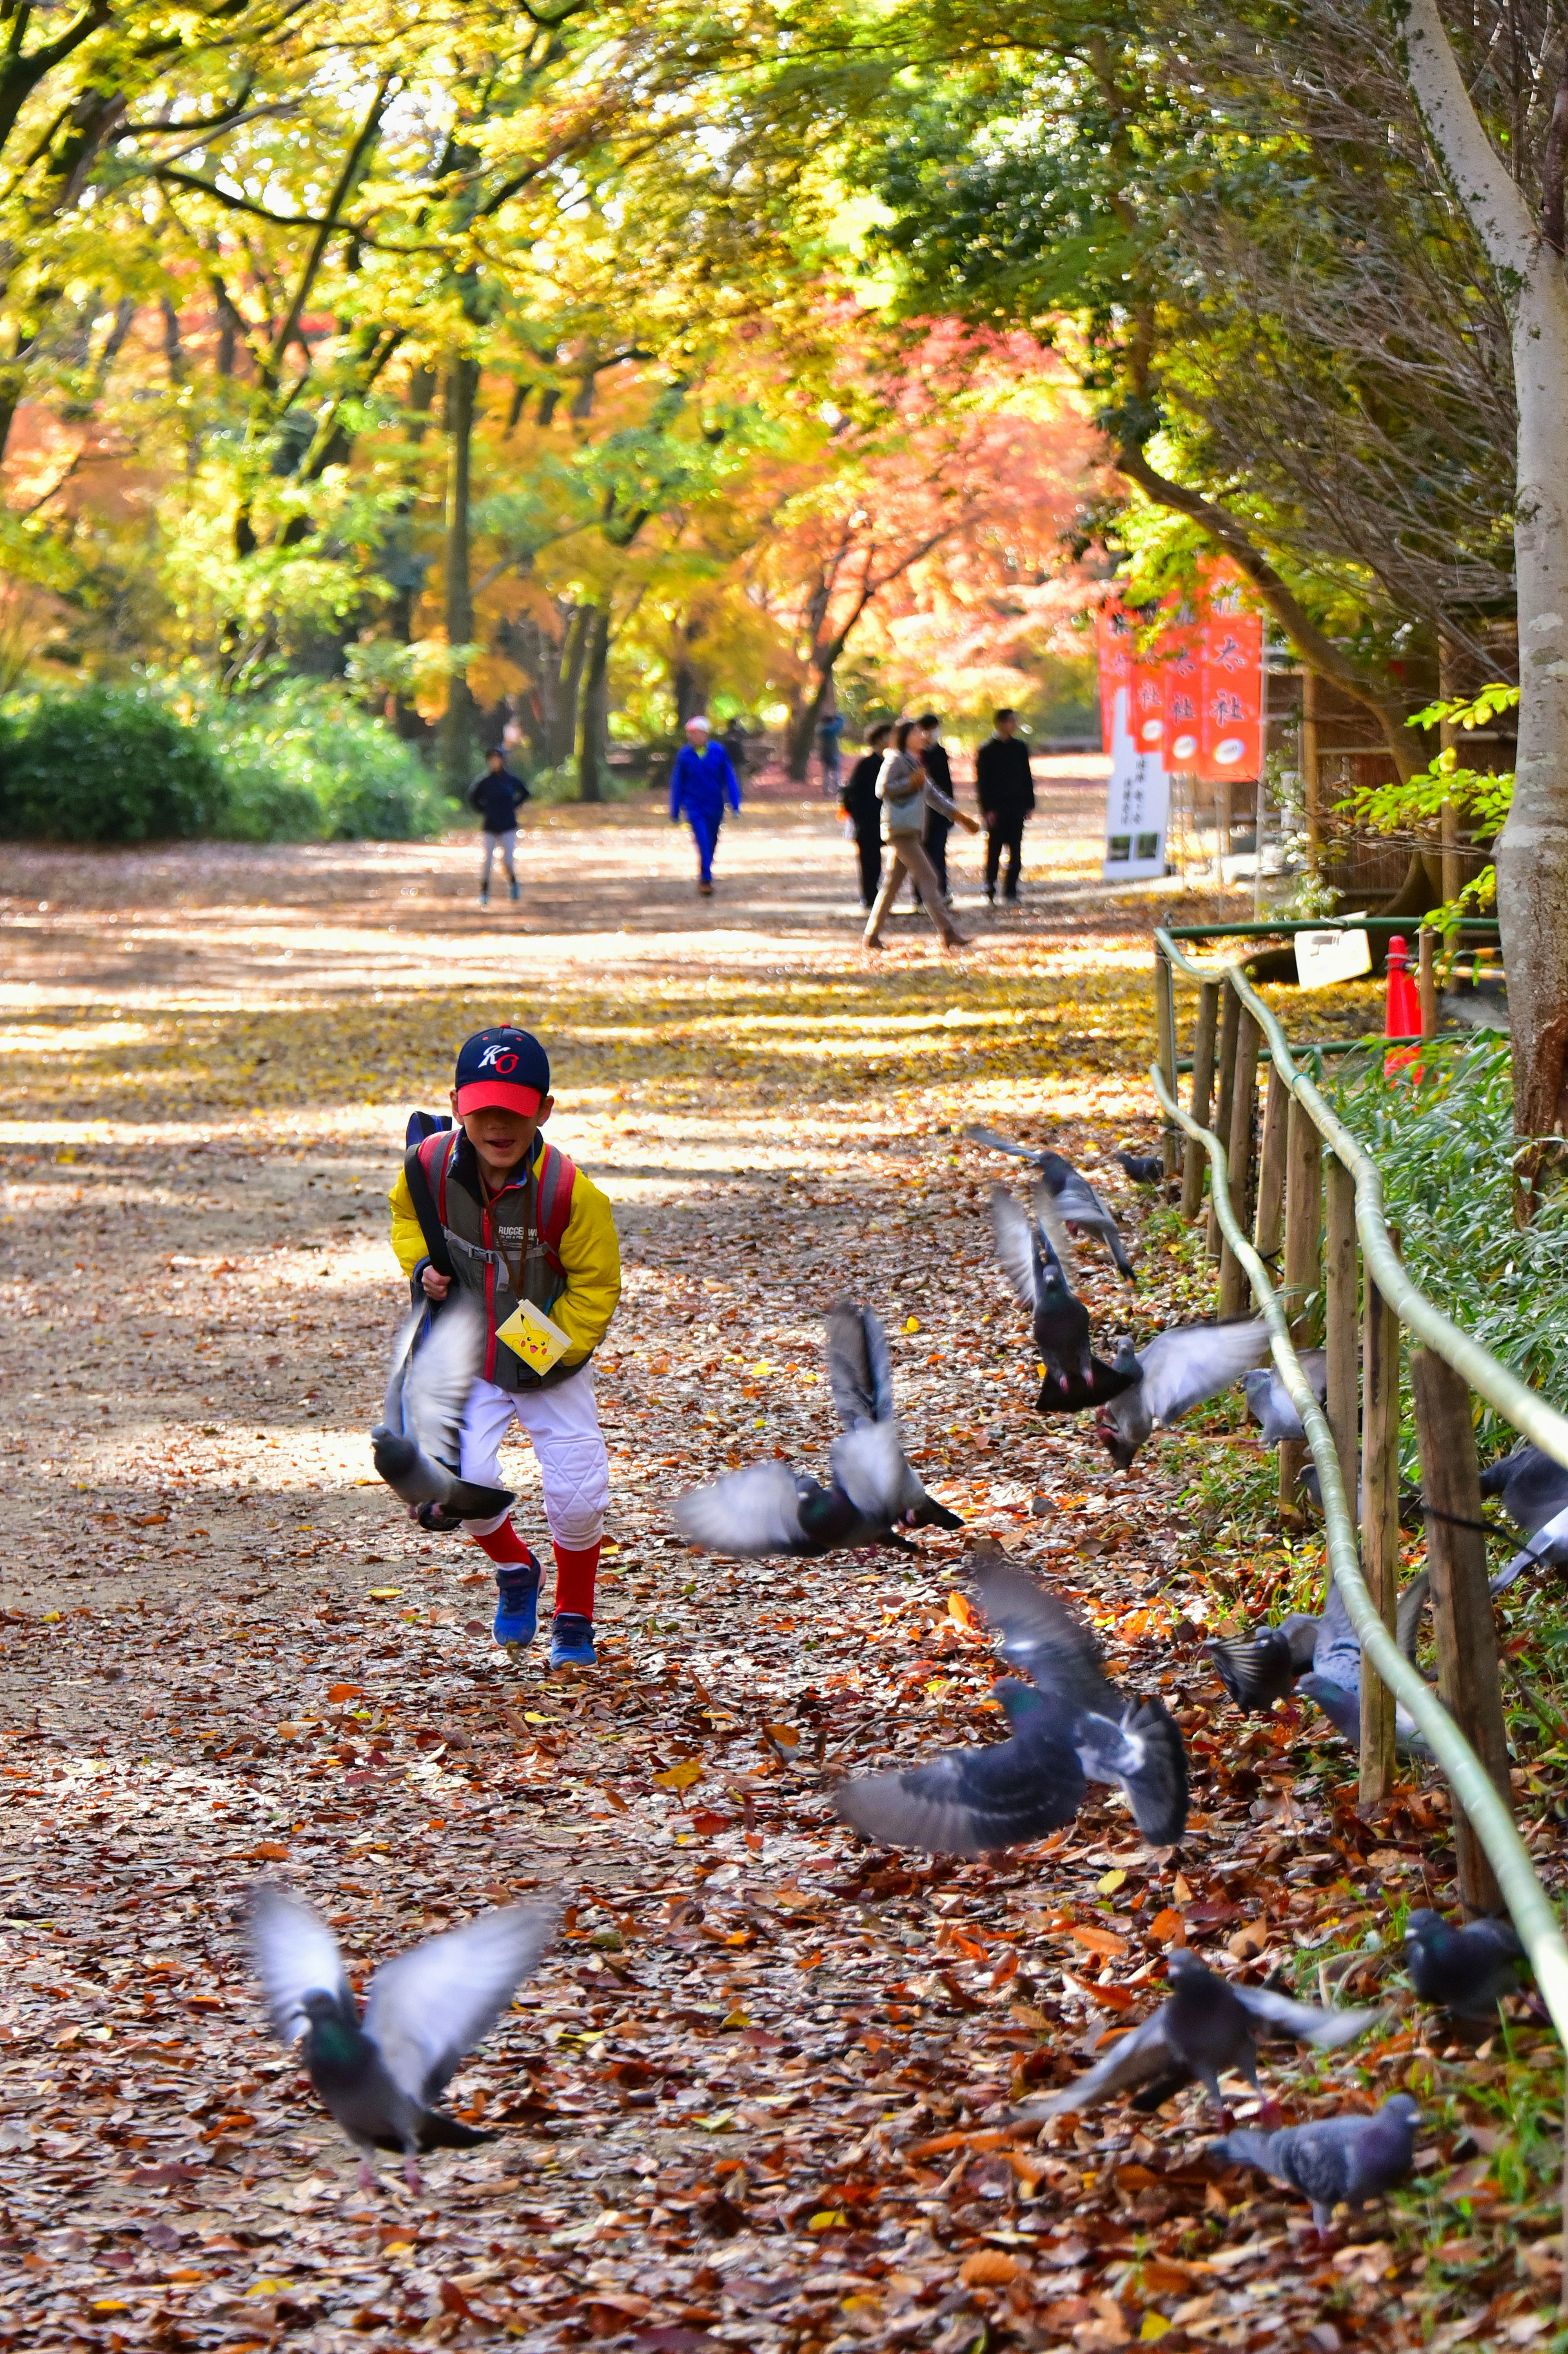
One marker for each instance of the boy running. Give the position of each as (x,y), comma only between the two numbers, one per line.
(497,795)
(514,1220)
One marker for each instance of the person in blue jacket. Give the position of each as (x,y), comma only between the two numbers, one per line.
(701,781)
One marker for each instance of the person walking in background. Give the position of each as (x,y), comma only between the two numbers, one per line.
(1004,787)
(858,800)
(735,741)
(906,792)
(700,784)
(829,727)
(938,767)
(497,795)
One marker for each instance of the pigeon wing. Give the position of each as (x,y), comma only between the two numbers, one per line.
(1407,1613)
(295,1955)
(1542,1546)
(440,1375)
(1308,2022)
(1132,2059)
(430,2006)
(1337,1654)
(874,1473)
(1193,1363)
(1155,1777)
(1016,1246)
(995,1143)
(1053,1226)
(860,1368)
(397,1372)
(972,1801)
(1042,1636)
(757,1511)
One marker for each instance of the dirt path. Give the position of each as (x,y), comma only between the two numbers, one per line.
(754,2096)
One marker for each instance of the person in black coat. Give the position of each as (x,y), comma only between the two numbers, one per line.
(857,800)
(939,770)
(1004,787)
(497,795)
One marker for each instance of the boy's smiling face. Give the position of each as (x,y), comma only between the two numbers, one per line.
(501,1138)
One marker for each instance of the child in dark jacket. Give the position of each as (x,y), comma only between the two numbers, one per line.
(497,795)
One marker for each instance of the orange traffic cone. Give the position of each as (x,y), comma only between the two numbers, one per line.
(1402,1018)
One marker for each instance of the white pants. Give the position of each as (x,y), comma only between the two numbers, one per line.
(506,844)
(574,1467)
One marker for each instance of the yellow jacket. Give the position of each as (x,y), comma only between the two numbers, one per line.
(589,1250)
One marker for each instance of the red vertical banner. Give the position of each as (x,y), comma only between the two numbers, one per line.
(1114,643)
(1180,667)
(1231,724)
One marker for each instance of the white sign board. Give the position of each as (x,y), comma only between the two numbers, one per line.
(1137,806)
(1331,955)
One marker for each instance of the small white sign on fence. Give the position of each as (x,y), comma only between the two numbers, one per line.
(1331,955)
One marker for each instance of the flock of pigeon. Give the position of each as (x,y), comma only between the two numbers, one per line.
(381,2076)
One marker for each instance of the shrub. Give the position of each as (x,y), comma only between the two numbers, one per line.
(105,764)
(306,764)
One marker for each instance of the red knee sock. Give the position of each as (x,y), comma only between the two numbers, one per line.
(575,1573)
(505,1547)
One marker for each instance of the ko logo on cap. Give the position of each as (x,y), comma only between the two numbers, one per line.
(499,1059)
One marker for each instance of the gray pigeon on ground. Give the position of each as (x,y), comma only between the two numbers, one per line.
(1175,1372)
(378,2075)
(1035,1257)
(1336,2159)
(1069,1727)
(1078,1206)
(875,1496)
(1466,1971)
(1335,1682)
(1143,1167)
(1268,1400)
(1209,2026)
(416,1445)
(1258,1669)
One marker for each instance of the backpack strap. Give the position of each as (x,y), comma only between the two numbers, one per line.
(422,1195)
(557,1176)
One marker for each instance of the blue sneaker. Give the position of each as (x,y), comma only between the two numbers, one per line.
(517,1610)
(515,893)
(571,1641)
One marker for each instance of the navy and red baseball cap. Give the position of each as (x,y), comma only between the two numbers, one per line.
(506,1068)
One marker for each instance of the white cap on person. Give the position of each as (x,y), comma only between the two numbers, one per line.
(698,724)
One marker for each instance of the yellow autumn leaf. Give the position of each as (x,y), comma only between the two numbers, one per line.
(682,1776)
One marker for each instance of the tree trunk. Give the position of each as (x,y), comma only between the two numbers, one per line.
(564,735)
(458,726)
(595,707)
(803,726)
(1532,851)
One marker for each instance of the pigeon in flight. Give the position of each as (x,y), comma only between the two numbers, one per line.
(1549,1544)
(1175,1372)
(1466,1971)
(1268,1400)
(1068,1727)
(1335,1682)
(1078,1206)
(416,1443)
(1258,1669)
(1143,1167)
(1208,2028)
(378,2075)
(1533,1491)
(1334,2160)
(874,1496)
(1036,1263)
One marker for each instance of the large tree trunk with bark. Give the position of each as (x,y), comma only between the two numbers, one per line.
(1532,852)
(595,707)
(458,726)
(803,726)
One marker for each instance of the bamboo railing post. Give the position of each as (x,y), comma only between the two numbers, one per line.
(1230,1025)
(1165,1027)
(1341,1334)
(1426,980)
(1380,1528)
(1271,1167)
(1303,1247)
(1468,1680)
(1196,1161)
(1235,1289)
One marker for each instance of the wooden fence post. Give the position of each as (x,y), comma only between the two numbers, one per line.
(1197,1160)
(1426,981)
(1303,1242)
(1341,1334)
(1380,1528)
(1271,1167)
(1468,1673)
(1233,1286)
(1230,1025)
(1165,1029)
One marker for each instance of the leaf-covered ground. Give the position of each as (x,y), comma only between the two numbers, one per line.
(759,2093)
